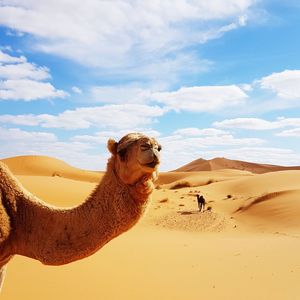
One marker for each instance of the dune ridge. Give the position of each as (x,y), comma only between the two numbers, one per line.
(224,163)
(37,165)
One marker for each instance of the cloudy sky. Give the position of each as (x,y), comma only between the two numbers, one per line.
(207,78)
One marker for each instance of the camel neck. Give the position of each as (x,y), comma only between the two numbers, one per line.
(58,236)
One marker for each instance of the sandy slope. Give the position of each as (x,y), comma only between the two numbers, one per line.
(246,247)
(47,166)
(157,264)
(57,190)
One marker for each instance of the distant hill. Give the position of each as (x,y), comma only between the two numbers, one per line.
(224,163)
(37,165)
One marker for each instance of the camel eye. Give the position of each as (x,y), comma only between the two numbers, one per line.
(145,147)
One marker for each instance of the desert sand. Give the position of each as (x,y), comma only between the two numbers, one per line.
(246,246)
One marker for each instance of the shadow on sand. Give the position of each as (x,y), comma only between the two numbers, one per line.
(183,213)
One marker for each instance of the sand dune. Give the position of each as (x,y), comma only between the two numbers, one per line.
(223,163)
(277,210)
(172,179)
(231,196)
(47,166)
(70,192)
(175,252)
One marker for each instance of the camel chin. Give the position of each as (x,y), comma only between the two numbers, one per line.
(149,168)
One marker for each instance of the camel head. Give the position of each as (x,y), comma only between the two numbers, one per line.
(136,156)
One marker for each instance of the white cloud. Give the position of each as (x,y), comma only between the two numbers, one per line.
(22,80)
(285,84)
(23,70)
(15,141)
(188,144)
(25,89)
(103,136)
(290,133)
(200,132)
(258,124)
(246,123)
(246,87)
(24,120)
(108,116)
(6,58)
(17,135)
(161,71)
(210,137)
(289,122)
(99,33)
(120,94)
(202,98)
(76,90)
(242,20)
(119,117)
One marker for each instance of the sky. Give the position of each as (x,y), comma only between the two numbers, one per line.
(206,78)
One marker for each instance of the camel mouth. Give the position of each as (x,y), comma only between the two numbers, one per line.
(152,165)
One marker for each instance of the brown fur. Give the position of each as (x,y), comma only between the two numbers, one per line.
(57,236)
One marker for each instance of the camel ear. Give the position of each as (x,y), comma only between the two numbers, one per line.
(112,146)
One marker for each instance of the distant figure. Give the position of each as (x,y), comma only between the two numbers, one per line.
(201,202)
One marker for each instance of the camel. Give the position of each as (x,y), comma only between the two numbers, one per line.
(57,236)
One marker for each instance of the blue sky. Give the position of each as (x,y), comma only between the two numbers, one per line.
(207,78)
